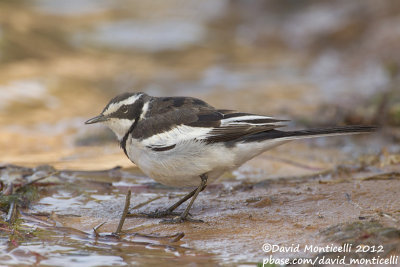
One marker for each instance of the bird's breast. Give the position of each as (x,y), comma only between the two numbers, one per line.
(183,164)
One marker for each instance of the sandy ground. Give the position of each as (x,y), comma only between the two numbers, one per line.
(313,203)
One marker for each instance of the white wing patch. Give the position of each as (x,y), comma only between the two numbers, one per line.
(178,134)
(247,120)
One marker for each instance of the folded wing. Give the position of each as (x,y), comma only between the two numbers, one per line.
(212,126)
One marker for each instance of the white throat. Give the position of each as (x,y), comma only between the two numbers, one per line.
(119,126)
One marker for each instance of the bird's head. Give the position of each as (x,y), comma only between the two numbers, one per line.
(121,113)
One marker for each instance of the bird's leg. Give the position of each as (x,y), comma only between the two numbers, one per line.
(184,199)
(170,210)
(184,215)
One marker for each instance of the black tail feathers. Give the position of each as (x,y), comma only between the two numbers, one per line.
(353,129)
(318,132)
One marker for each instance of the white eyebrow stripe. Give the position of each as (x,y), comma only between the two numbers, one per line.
(115,106)
(131,99)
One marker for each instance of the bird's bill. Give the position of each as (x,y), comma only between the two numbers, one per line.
(97,119)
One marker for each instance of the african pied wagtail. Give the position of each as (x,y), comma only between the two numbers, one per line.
(183,141)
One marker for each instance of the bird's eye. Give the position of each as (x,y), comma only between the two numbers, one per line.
(124,109)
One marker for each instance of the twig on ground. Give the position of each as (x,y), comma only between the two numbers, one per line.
(123,216)
(384,214)
(97,227)
(143,204)
(9,190)
(12,212)
(37,180)
(178,237)
(382,176)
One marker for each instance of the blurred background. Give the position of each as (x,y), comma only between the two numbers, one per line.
(318,63)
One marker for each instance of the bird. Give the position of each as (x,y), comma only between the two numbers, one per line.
(184,141)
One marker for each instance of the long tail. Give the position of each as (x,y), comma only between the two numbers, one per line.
(311,133)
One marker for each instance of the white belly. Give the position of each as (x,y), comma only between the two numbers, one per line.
(183,165)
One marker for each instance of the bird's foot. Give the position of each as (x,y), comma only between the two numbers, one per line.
(180,219)
(154,214)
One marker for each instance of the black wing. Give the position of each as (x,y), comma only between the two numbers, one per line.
(223,125)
